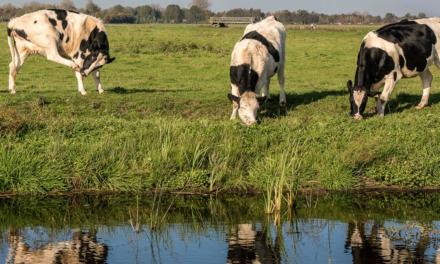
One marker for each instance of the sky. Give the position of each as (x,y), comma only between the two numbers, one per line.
(374,7)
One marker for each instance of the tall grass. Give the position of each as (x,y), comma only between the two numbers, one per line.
(282,176)
(164,122)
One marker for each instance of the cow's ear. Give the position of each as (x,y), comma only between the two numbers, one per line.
(262,99)
(234,98)
(349,85)
(110,60)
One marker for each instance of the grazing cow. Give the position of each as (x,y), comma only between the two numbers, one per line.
(401,50)
(255,59)
(67,37)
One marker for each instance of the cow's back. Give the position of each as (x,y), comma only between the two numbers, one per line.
(271,29)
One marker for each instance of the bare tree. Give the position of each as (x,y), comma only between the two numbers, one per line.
(67,4)
(202,4)
(91,8)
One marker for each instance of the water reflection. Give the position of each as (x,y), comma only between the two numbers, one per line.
(82,248)
(336,229)
(247,245)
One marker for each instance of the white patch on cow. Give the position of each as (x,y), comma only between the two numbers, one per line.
(248,108)
(358,96)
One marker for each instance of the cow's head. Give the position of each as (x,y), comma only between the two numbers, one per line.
(97,50)
(248,105)
(372,66)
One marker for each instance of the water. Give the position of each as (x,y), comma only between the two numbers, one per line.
(337,228)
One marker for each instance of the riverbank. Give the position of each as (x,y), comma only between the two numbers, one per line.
(163,122)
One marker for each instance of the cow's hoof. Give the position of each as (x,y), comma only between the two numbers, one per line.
(12,91)
(420,106)
(83,93)
(100,91)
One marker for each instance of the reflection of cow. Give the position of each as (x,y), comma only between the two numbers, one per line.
(377,247)
(83,248)
(246,245)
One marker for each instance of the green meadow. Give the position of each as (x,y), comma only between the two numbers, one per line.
(163,121)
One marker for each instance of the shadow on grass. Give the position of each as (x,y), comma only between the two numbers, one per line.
(122,90)
(272,109)
(404,101)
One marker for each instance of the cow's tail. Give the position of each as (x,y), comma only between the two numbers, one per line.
(12,46)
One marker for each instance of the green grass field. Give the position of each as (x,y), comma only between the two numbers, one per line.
(164,120)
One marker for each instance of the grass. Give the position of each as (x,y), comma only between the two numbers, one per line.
(163,120)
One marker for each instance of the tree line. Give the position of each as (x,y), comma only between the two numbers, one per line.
(198,12)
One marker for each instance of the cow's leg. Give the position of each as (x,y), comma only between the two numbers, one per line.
(265,91)
(97,77)
(385,96)
(235,91)
(80,79)
(426,77)
(14,68)
(281,80)
(234,110)
(53,55)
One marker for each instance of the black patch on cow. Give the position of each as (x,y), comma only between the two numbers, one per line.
(68,39)
(416,40)
(83,56)
(61,13)
(61,16)
(257,36)
(21,33)
(61,36)
(75,56)
(372,66)
(395,76)
(9,32)
(401,61)
(244,77)
(96,43)
(74,11)
(35,22)
(53,22)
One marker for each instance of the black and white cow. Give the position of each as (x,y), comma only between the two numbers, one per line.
(76,40)
(401,50)
(258,56)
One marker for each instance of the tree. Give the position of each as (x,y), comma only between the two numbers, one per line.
(91,8)
(146,14)
(421,15)
(390,18)
(173,14)
(119,14)
(202,4)
(67,4)
(196,14)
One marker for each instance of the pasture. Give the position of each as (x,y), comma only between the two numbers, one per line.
(163,121)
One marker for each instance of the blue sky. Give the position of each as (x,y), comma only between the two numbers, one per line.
(376,7)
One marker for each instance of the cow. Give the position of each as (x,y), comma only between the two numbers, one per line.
(75,40)
(257,57)
(405,49)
